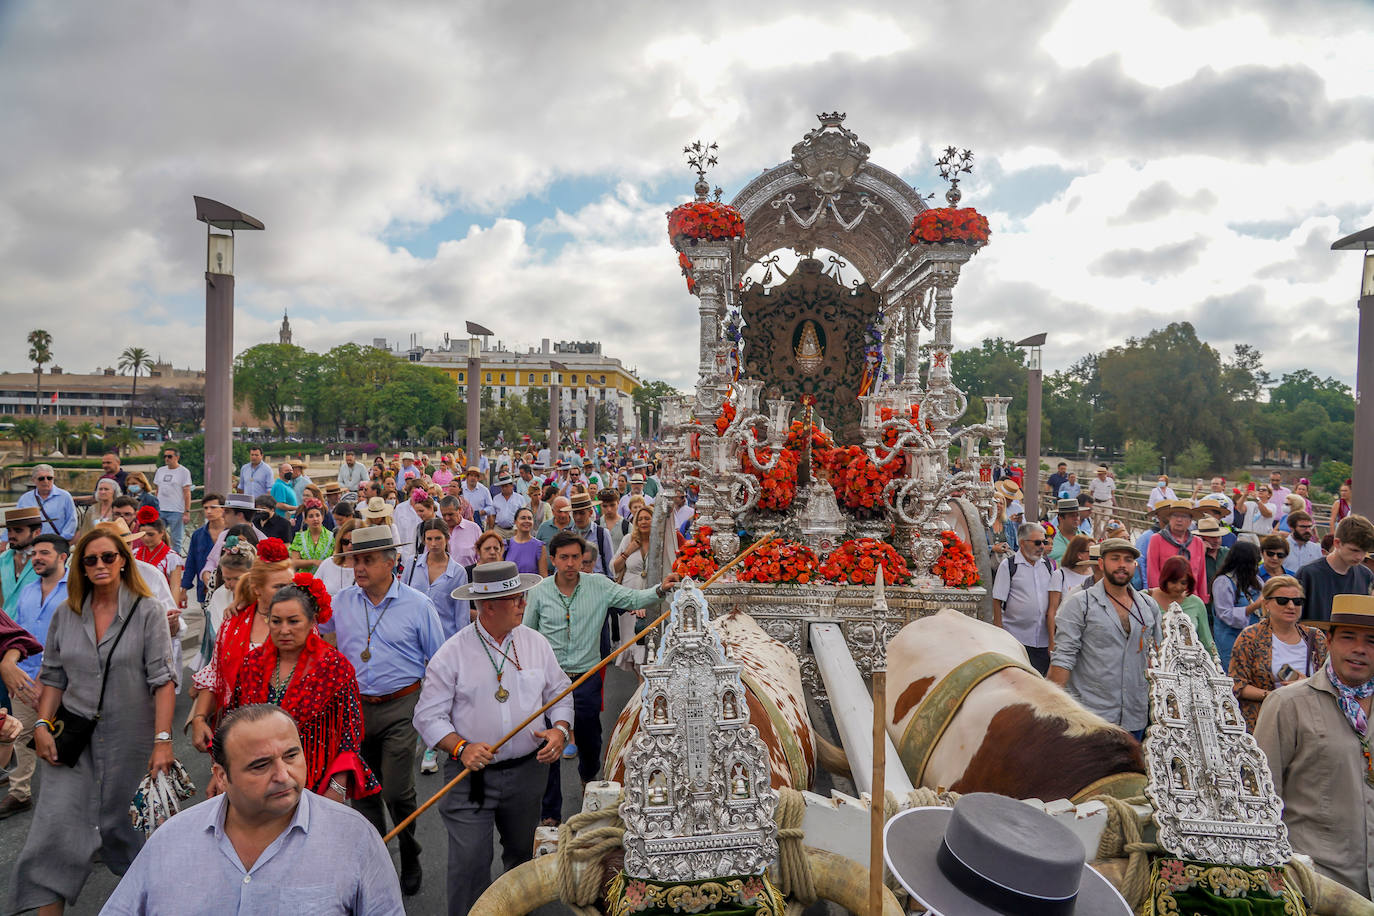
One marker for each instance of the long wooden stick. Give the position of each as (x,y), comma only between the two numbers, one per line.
(878,795)
(410,819)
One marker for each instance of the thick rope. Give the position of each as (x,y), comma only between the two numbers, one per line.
(1122,838)
(1301,876)
(795,880)
(580,855)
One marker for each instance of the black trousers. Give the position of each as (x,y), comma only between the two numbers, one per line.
(587,736)
(389,749)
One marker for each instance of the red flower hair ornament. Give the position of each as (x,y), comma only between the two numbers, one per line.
(272,550)
(147,515)
(324,606)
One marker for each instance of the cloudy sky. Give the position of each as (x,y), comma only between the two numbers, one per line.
(418,164)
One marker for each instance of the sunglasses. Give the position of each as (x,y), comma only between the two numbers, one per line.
(48,477)
(1284,601)
(169,455)
(345,542)
(107,558)
(1038,543)
(1275,553)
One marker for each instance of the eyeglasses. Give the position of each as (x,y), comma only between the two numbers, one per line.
(1284,601)
(1276,553)
(345,542)
(48,477)
(108,558)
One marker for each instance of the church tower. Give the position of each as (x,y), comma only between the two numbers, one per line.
(285,328)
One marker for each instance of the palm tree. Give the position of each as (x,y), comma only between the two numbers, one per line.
(40,352)
(135,360)
(61,432)
(122,439)
(84,434)
(28,431)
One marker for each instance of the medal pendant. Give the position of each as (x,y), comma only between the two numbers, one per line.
(502,694)
(366,655)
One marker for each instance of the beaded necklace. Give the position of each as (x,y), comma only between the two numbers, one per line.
(502,694)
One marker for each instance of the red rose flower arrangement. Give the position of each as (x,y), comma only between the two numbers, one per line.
(956,566)
(797,433)
(272,550)
(856,562)
(780,561)
(686,264)
(949,225)
(858,482)
(704,219)
(324,605)
(695,558)
(778,487)
(727,416)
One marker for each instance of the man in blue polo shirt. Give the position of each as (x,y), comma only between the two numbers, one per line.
(54,504)
(32,608)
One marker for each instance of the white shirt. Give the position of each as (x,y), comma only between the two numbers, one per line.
(625,503)
(1064,580)
(502,508)
(352,478)
(459,692)
(1300,553)
(1025,599)
(1158,495)
(1101,490)
(170,484)
(406,522)
(336,578)
(1295,656)
(684,514)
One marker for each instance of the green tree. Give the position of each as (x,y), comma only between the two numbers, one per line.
(134,360)
(122,439)
(646,399)
(1331,475)
(61,432)
(997,367)
(84,433)
(29,431)
(267,377)
(1068,412)
(435,435)
(1141,457)
(1304,386)
(40,352)
(1194,461)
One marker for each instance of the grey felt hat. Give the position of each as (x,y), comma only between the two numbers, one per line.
(496,580)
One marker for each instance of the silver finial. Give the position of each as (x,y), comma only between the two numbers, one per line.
(950,165)
(701,157)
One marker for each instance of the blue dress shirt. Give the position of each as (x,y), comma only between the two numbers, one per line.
(257,481)
(406,633)
(329,859)
(453,614)
(58,507)
(33,612)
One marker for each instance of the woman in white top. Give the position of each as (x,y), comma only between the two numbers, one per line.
(1260,514)
(102,510)
(631,568)
(1072,573)
(1160,493)
(332,571)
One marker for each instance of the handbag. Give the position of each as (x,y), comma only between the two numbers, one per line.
(72,732)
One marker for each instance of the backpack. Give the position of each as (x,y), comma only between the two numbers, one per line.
(1012,567)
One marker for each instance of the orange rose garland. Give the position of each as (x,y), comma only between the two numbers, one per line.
(696,559)
(704,219)
(820,441)
(943,225)
(856,562)
(727,416)
(858,482)
(777,487)
(956,565)
(780,561)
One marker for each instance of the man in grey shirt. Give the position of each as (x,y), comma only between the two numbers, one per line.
(351,473)
(268,844)
(1102,640)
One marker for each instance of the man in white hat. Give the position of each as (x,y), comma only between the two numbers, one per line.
(408,469)
(636,489)
(489,677)
(239,509)
(504,504)
(1315,734)
(1102,488)
(388,632)
(475,493)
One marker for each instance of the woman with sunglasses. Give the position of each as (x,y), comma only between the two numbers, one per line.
(1273,551)
(1276,651)
(110,630)
(1235,597)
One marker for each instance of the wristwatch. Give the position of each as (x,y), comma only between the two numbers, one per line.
(162,736)
(567,735)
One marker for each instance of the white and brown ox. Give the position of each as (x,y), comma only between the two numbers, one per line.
(776,699)
(968,714)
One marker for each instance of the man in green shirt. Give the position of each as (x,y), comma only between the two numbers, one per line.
(1066,527)
(570,610)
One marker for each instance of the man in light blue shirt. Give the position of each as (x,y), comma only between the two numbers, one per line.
(476,494)
(54,504)
(504,504)
(255,477)
(388,632)
(323,857)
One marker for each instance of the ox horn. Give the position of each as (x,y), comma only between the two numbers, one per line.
(529,886)
(832,758)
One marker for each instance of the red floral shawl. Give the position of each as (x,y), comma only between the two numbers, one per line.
(323,699)
(152,557)
(230,648)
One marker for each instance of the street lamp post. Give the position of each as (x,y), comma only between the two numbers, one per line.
(1034,385)
(556,370)
(474,437)
(219,336)
(1362,473)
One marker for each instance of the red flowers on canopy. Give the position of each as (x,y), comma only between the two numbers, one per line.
(946,225)
(856,562)
(704,219)
(695,558)
(956,565)
(780,561)
(858,482)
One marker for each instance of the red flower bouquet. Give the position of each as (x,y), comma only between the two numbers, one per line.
(273,550)
(797,434)
(780,561)
(948,225)
(695,558)
(956,566)
(727,416)
(704,219)
(856,562)
(858,482)
(778,487)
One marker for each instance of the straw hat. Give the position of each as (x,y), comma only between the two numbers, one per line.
(370,538)
(376,508)
(24,515)
(1348,611)
(1168,507)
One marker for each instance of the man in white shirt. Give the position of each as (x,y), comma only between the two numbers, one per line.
(636,489)
(351,473)
(1102,488)
(476,495)
(172,482)
(1021,595)
(504,504)
(474,692)
(1303,546)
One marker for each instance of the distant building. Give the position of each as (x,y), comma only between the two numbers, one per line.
(592,376)
(284,336)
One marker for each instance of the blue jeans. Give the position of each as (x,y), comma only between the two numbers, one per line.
(176,528)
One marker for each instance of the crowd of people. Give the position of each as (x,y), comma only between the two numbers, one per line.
(350,608)
(1289,615)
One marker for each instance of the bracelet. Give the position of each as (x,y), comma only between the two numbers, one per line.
(457,753)
(49,724)
(335,787)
